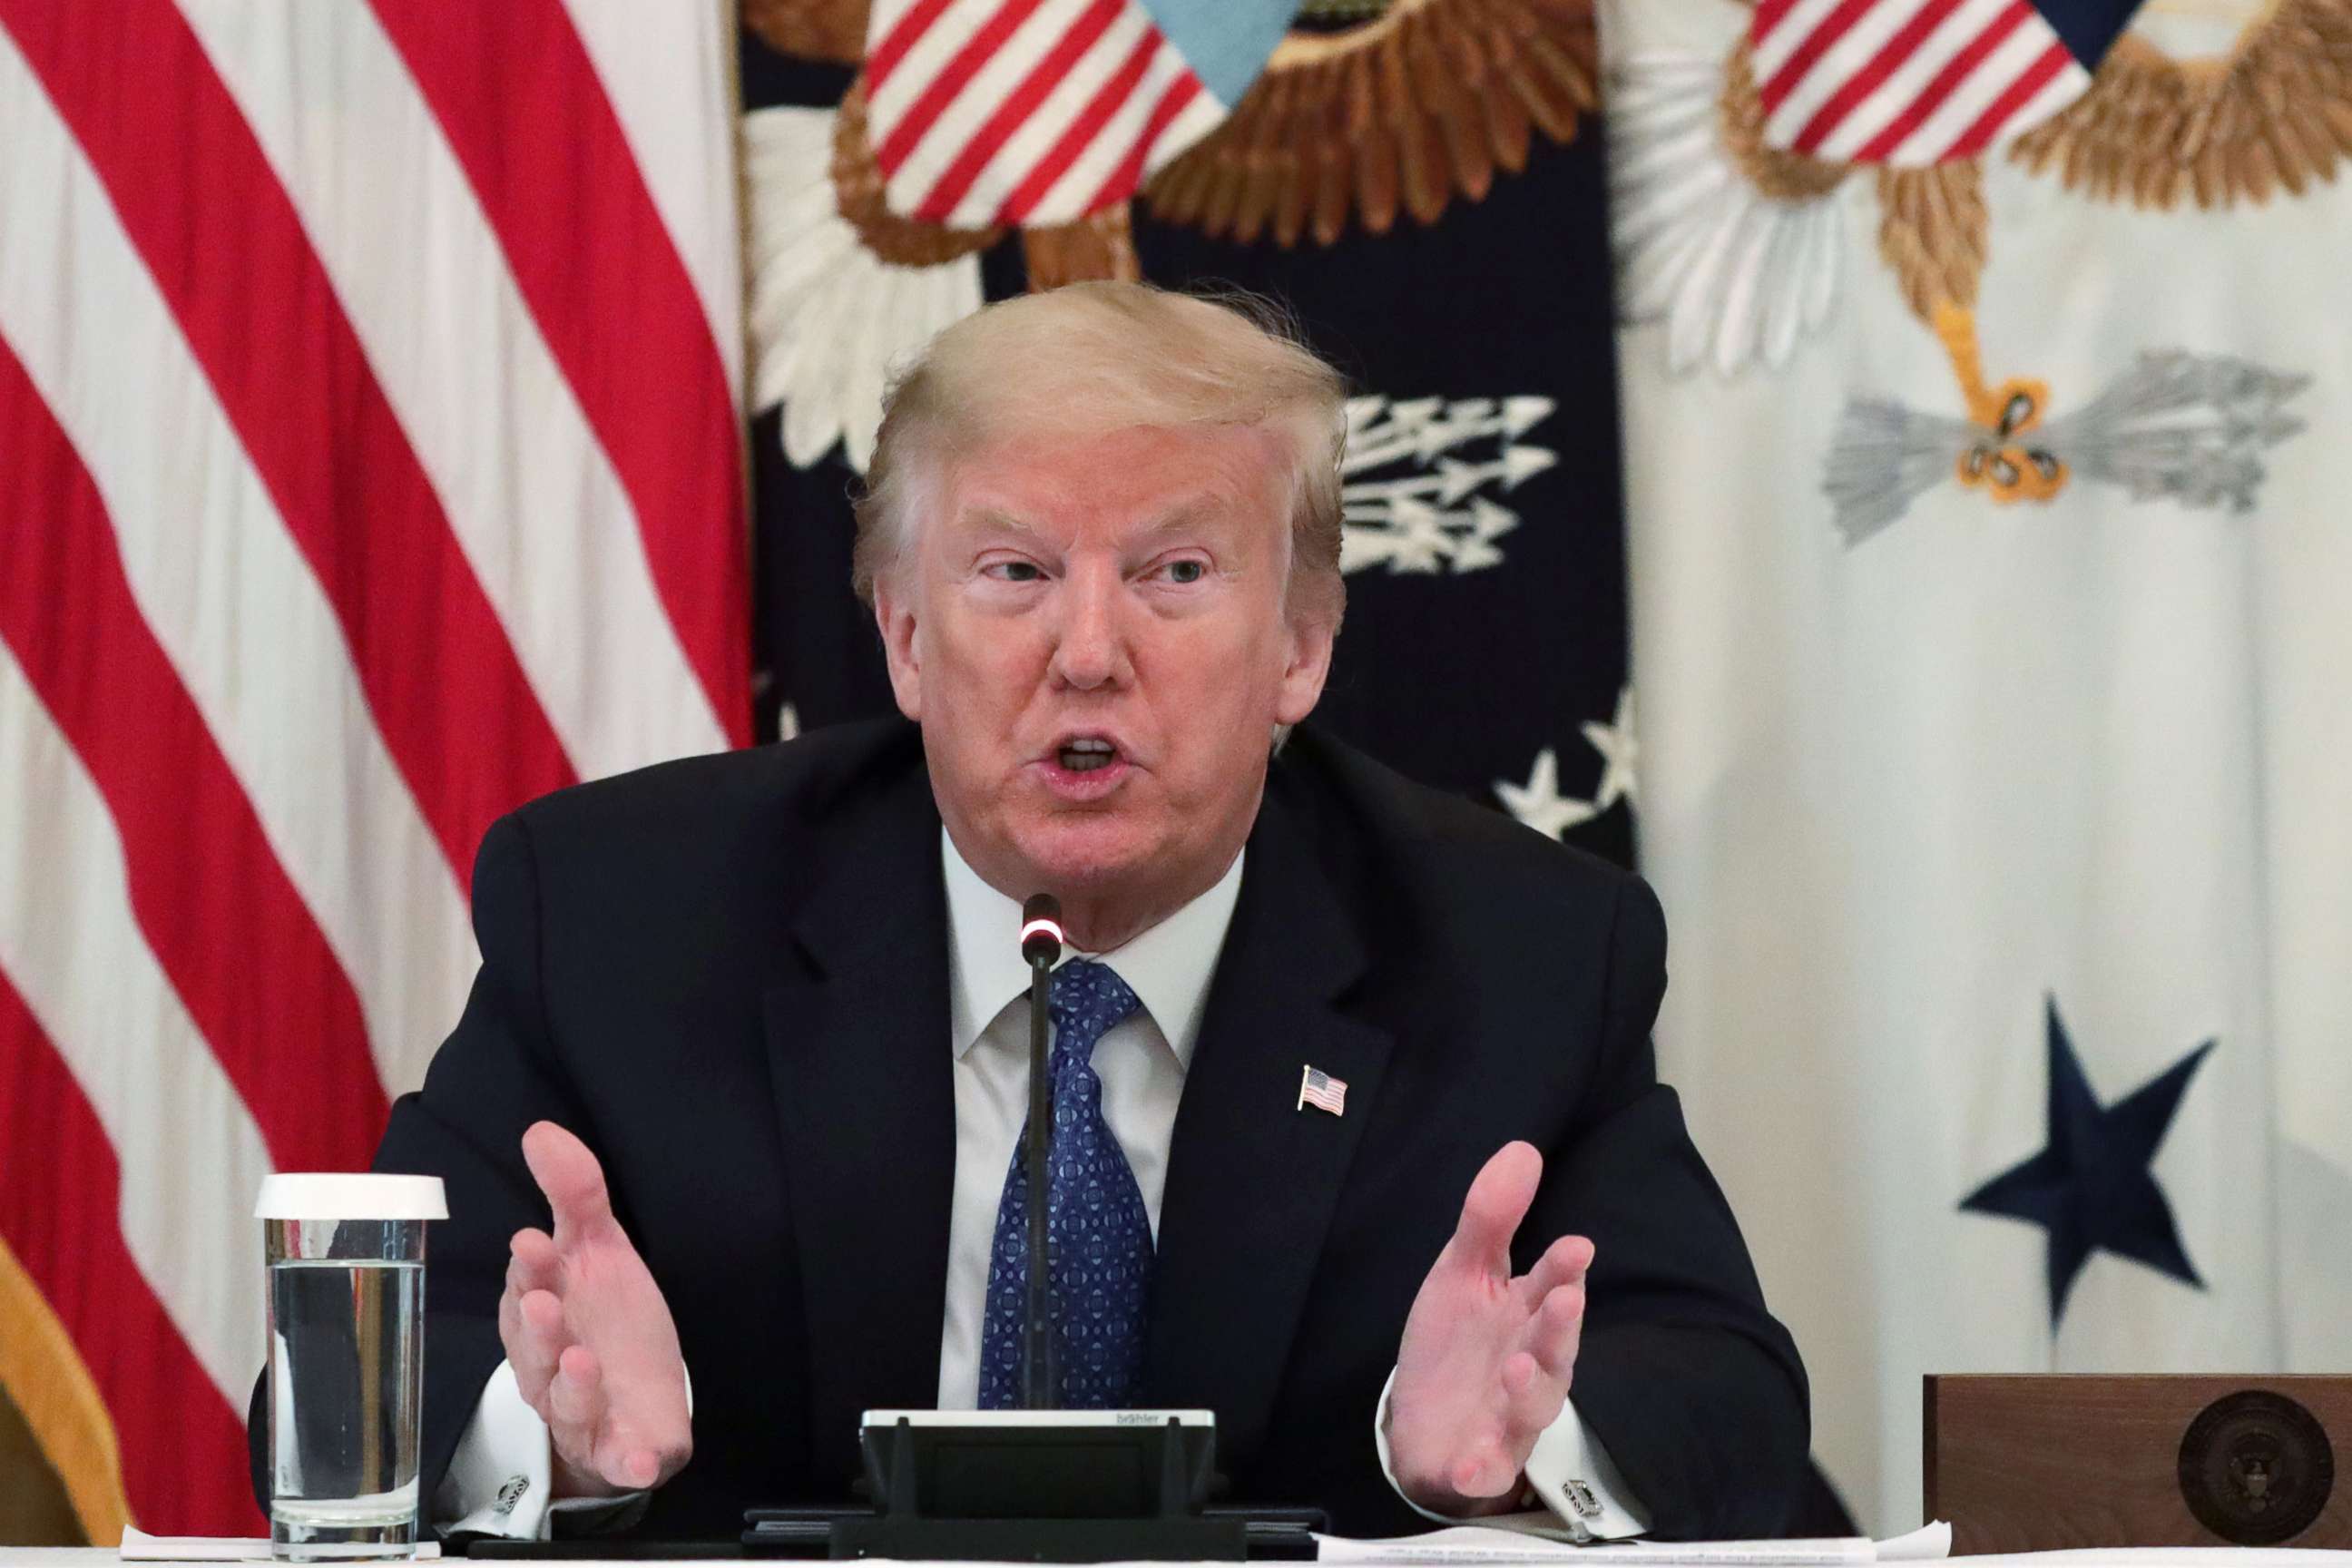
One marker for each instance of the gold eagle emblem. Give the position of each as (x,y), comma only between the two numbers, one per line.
(2272,114)
(1424,102)
(1738,274)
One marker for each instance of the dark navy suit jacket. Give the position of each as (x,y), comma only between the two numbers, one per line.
(730,976)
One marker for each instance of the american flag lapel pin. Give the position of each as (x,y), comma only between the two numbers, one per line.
(1322,1091)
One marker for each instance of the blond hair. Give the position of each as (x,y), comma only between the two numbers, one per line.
(1103,356)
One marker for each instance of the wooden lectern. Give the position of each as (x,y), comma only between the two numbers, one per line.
(2042,1463)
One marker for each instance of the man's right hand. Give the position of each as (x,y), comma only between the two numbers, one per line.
(590,1338)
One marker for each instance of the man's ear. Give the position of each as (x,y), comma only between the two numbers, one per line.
(894,615)
(1311,636)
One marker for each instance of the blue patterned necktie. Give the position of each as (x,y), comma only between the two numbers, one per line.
(1098,1236)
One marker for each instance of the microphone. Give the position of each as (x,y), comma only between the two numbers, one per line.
(1041,930)
(1042,1484)
(1041,946)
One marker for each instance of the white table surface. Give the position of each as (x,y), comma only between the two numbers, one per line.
(2165,1557)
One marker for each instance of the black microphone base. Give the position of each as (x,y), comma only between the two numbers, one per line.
(1194,1539)
(1046,1486)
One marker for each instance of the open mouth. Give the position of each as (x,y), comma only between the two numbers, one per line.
(1085,753)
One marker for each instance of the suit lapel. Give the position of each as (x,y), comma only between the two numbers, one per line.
(1251,1180)
(866,1093)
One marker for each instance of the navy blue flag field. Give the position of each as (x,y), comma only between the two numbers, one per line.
(1425,193)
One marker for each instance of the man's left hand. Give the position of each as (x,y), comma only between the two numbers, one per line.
(1486,1359)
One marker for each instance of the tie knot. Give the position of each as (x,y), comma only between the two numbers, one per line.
(1086,999)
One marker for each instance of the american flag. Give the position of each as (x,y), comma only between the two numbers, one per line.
(1040,111)
(1321,1089)
(1915,82)
(370,462)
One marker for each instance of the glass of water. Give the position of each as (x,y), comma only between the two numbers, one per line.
(346,1258)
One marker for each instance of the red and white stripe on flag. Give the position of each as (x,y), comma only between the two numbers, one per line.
(1023,112)
(1319,1089)
(1906,82)
(372,464)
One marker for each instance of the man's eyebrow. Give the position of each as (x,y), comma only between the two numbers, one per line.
(997,522)
(1184,514)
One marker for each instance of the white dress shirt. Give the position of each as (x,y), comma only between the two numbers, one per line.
(498,1478)
(1141,1060)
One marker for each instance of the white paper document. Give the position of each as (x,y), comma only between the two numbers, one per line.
(1472,1544)
(1928,1543)
(138,1546)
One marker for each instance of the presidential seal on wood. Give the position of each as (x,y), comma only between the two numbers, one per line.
(2256,1467)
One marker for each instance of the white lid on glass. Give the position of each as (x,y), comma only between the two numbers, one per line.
(290,1194)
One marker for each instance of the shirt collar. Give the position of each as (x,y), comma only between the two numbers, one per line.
(1168,967)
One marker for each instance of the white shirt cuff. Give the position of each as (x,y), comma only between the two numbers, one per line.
(1569,1471)
(499,1479)
(502,1475)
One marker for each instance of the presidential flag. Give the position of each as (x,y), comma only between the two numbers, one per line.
(1992,600)
(369,463)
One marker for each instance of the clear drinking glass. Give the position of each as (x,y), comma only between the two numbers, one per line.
(346,1257)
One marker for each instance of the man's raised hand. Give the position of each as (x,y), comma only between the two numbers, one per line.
(591,1340)
(1486,1360)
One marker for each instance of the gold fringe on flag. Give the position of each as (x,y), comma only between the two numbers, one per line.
(52,1389)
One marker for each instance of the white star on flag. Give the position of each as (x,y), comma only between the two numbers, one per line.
(1538,802)
(1614,741)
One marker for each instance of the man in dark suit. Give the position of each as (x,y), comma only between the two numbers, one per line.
(747,1032)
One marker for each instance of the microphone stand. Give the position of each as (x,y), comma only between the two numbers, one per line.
(1039,1484)
(1041,945)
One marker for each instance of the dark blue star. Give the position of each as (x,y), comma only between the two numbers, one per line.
(2091,1187)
